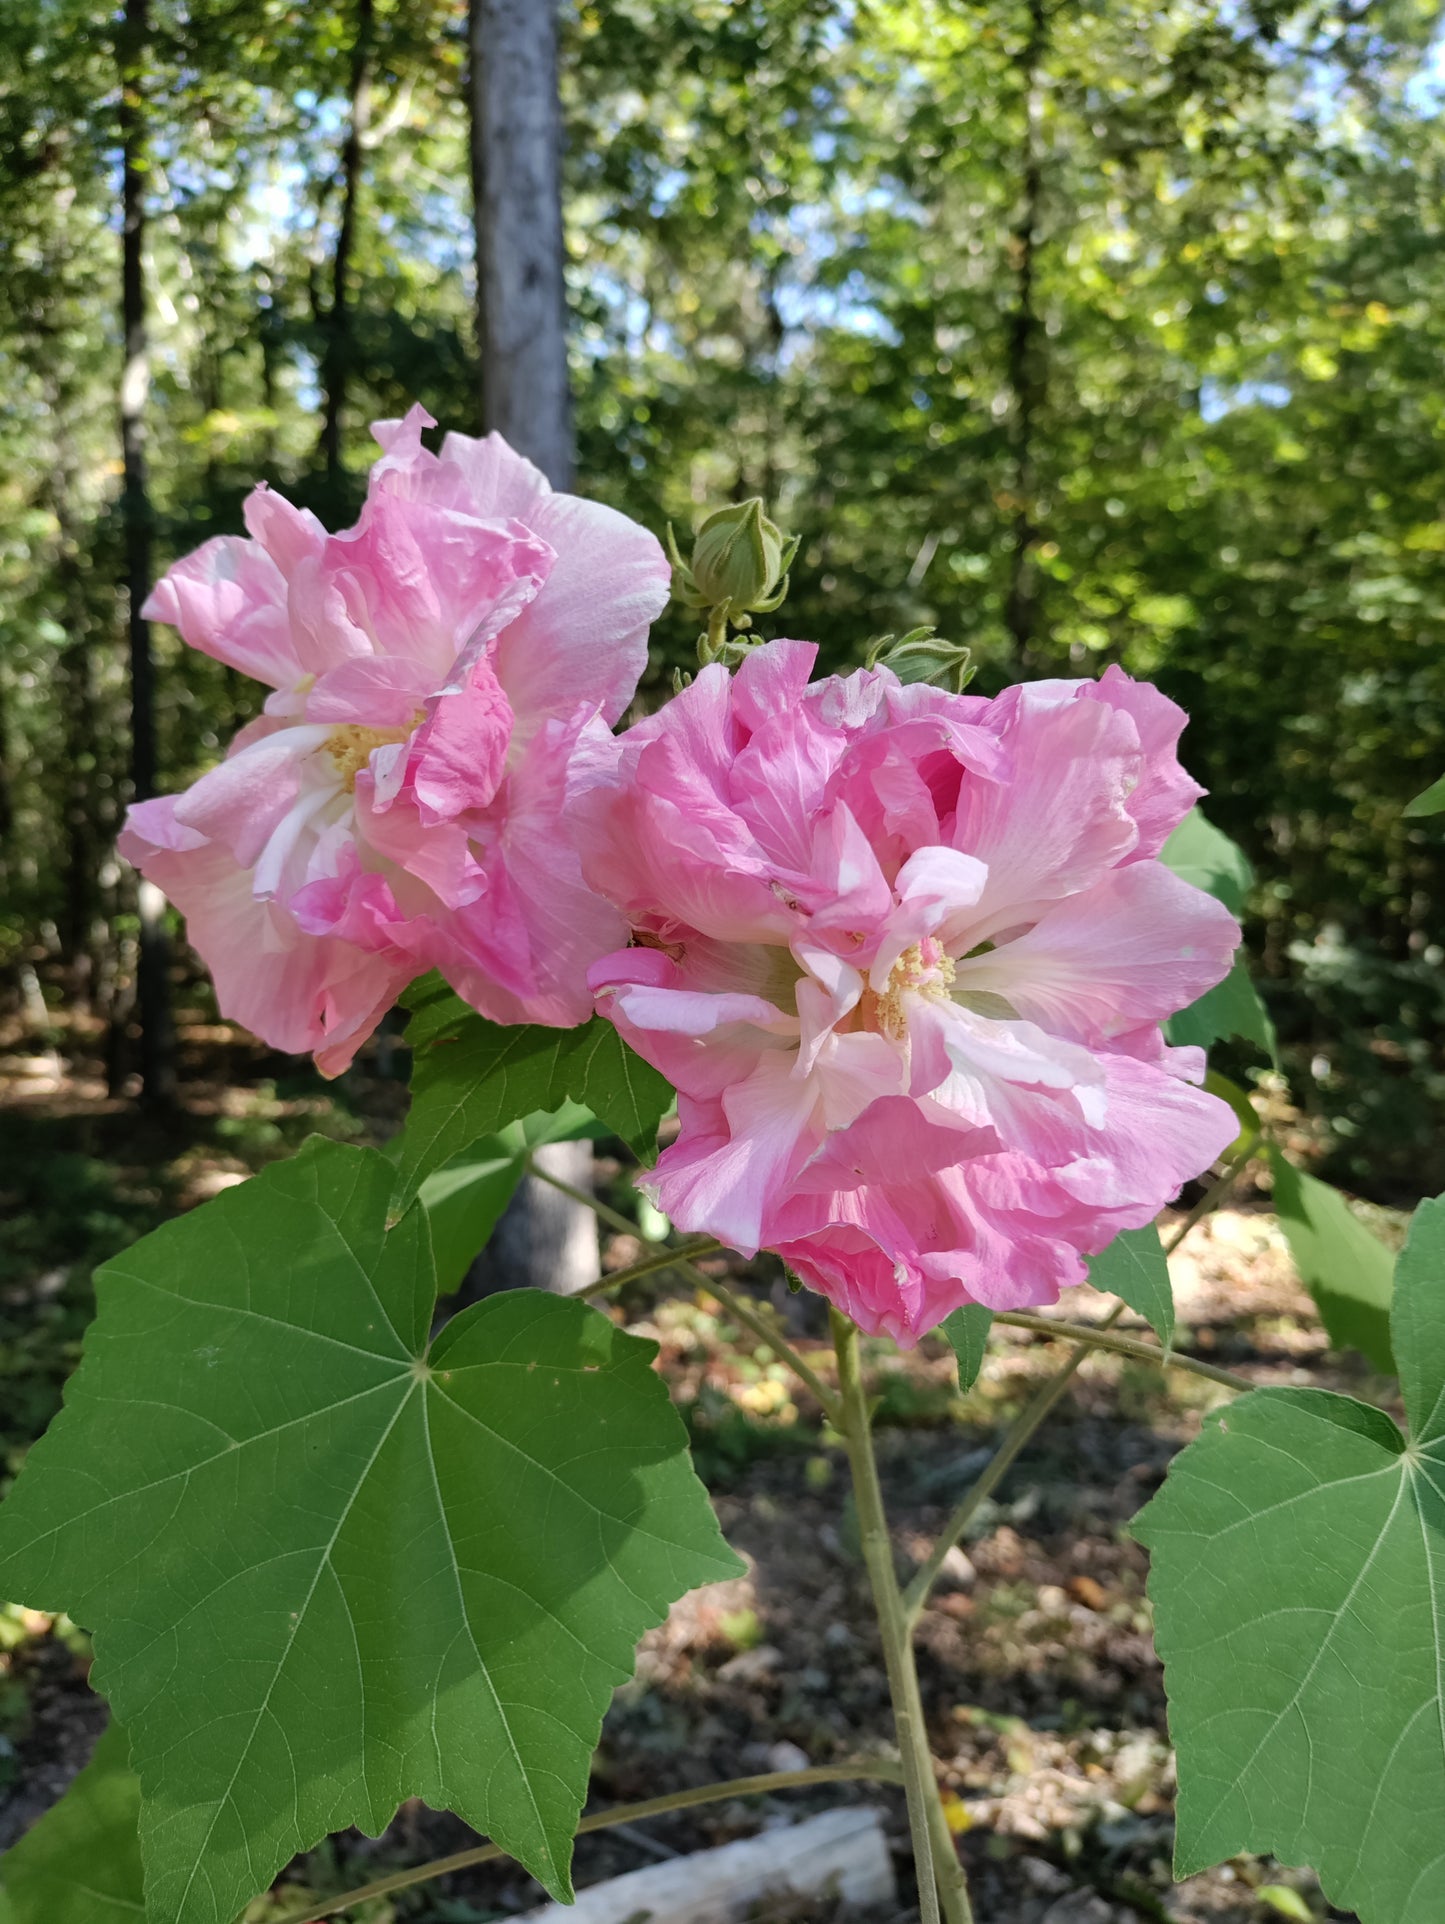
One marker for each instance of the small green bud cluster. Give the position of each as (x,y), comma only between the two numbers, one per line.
(739,568)
(922,655)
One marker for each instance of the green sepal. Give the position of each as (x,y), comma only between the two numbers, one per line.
(967,1329)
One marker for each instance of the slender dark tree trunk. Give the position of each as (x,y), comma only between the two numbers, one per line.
(1025,355)
(337,358)
(78,791)
(544,1240)
(7,786)
(84,831)
(270,340)
(157,1062)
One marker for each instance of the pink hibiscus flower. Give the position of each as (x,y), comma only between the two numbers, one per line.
(905,955)
(440,671)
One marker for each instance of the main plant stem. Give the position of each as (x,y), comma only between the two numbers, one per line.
(942,1891)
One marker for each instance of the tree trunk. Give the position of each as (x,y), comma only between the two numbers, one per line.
(516,178)
(337,359)
(84,832)
(1026,374)
(7,786)
(544,1241)
(157,1051)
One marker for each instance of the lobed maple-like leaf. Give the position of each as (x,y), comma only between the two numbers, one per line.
(1298,1578)
(329,1565)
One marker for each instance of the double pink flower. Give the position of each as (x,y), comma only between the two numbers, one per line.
(401,805)
(904,955)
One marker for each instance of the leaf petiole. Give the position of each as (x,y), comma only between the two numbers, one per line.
(1091,1338)
(680,1259)
(881,1770)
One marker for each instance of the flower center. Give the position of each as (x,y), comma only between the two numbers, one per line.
(922,969)
(350,746)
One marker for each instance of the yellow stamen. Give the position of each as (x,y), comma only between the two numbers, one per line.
(912,974)
(350,746)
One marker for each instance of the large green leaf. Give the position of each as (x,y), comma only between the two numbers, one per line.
(1298,1580)
(81,1863)
(464,1201)
(1200,853)
(327,1566)
(967,1329)
(473,1080)
(1134,1268)
(1348,1271)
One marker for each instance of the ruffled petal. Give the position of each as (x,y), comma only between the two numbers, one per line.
(901,955)
(1130,951)
(228,599)
(297,992)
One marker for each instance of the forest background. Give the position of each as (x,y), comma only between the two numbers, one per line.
(1088,335)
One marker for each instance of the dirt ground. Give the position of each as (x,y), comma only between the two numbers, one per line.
(1044,1695)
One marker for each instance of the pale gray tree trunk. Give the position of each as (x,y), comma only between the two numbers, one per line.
(516,182)
(544,1240)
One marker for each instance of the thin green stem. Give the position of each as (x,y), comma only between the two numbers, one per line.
(1017,1436)
(679,1259)
(1090,1338)
(882,1771)
(661,1258)
(781,1348)
(1022,1428)
(942,1891)
(604,1212)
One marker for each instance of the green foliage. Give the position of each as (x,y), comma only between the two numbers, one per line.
(1203,856)
(1297,1552)
(1231,1008)
(465,1198)
(1198,853)
(435,1010)
(1134,1269)
(1347,1270)
(328,1566)
(1430,802)
(475,1079)
(967,1329)
(1374,1067)
(81,1863)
